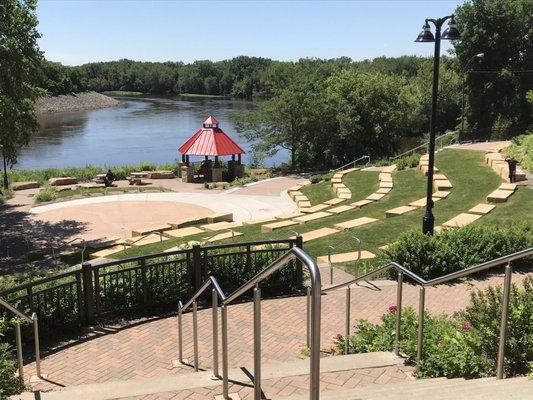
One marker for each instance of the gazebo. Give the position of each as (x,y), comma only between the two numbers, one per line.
(210,141)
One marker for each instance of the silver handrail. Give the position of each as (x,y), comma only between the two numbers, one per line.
(422,283)
(418,147)
(294,253)
(351,163)
(131,242)
(220,231)
(216,294)
(18,338)
(331,248)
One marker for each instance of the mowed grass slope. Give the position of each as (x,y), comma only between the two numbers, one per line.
(472,181)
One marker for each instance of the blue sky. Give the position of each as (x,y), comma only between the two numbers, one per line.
(75,32)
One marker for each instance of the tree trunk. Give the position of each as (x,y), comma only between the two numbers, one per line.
(6,183)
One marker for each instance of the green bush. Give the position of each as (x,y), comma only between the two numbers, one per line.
(320,177)
(456,249)
(522,150)
(9,382)
(409,161)
(464,345)
(47,193)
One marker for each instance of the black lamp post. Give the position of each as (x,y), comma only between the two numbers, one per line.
(450,33)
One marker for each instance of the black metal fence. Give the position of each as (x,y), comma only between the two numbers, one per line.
(89,293)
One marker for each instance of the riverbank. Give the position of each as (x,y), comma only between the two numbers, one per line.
(77,102)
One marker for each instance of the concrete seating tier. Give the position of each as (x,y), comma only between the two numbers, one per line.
(482,209)
(314,209)
(376,196)
(336,180)
(388,185)
(104,242)
(334,201)
(442,184)
(361,203)
(182,232)
(290,215)
(385,177)
(425,169)
(340,209)
(189,222)
(311,217)
(441,194)
(497,162)
(398,211)
(304,205)
(390,168)
(25,185)
(62,181)
(150,239)
(220,217)
(299,197)
(258,221)
(345,196)
(151,229)
(383,190)
(316,234)
(223,236)
(501,194)
(277,225)
(218,226)
(508,186)
(295,193)
(107,251)
(346,257)
(424,157)
(422,202)
(354,223)
(461,220)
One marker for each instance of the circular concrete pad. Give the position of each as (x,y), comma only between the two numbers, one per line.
(119,218)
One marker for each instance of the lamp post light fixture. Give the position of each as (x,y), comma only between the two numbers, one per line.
(450,33)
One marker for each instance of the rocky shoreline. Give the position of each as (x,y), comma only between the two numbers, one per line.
(77,102)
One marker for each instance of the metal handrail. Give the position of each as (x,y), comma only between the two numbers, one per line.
(220,231)
(418,147)
(131,242)
(66,244)
(331,248)
(18,337)
(294,253)
(422,283)
(351,163)
(216,294)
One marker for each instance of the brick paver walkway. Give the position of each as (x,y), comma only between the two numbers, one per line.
(148,349)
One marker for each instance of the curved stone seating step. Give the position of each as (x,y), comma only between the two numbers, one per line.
(482,209)
(218,226)
(345,196)
(338,185)
(303,205)
(314,209)
(336,180)
(290,215)
(439,177)
(441,194)
(508,186)
(340,209)
(258,221)
(424,157)
(277,225)
(107,252)
(442,184)
(183,232)
(25,185)
(300,197)
(425,169)
(499,196)
(385,177)
(361,203)
(346,257)
(188,222)
(343,190)
(294,188)
(223,236)
(461,220)
(398,211)
(311,217)
(376,196)
(150,239)
(295,193)
(150,229)
(390,168)
(102,243)
(316,234)
(220,217)
(334,201)
(354,223)
(422,202)
(383,190)
(388,185)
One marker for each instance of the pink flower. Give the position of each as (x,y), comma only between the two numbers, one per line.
(393,309)
(338,336)
(466,326)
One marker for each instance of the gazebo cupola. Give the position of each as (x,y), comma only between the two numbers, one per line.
(208,141)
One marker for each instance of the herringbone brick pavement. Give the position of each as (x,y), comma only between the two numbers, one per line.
(148,349)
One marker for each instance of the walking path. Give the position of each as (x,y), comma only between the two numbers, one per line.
(149,348)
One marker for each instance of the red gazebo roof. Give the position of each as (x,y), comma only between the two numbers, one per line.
(210,141)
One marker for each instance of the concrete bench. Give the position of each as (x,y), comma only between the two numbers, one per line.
(151,229)
(277,225)
(442,184)
(388,185)
(482,209)
(461,220)
(398,211)
(311,217)
(354,223)
(182,232)
(385,177)
(508,186)
(220,217)
(134,181)
(62,181)
(499,196)
(25,185)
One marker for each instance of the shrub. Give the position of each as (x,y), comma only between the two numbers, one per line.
(47,193)
(5,194)
(456,249)
(320,177)
(9,383)
(464,345)
(409,161)
(522,150)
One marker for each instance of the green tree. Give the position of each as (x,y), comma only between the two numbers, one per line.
(503,31)
(19,62)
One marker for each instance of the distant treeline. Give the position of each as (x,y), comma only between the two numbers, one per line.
(243,76)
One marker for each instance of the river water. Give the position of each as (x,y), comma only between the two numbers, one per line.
(140,129)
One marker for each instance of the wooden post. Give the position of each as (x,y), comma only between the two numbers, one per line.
(88,292)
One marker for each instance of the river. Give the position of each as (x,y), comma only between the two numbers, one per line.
(140,129)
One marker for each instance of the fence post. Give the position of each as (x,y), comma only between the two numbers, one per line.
(88,292)
(144,284)
(196,266)
(299,267)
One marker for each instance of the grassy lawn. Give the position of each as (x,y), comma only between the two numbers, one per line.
(319,192)
(472,181)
